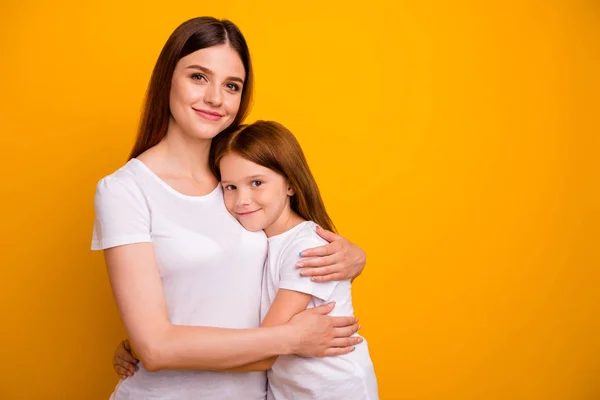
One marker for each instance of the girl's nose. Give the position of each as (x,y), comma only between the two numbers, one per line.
(244,198)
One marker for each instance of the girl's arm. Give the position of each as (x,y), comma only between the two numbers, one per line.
(293,296)
(287,303)
(337,261)
(160,345)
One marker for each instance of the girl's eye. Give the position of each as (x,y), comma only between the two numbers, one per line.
(256,183)
(233,87)
(230,187)
(198,77)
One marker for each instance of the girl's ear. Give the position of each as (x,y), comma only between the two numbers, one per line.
(290,190)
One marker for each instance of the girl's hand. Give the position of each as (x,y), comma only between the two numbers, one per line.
(336,261)
(319,335)
(124,362)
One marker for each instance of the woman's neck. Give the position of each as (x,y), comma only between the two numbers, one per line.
(180,155)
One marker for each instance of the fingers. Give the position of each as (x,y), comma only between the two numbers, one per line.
(123,373)
(129,358)
(324,309)
(323,261)
(346,342)
(344,322)
(309,267)
(125,351)
(327,235)
(338,351)
(124,367)
(345,331)
(343,345)
(127,364)
(327,278)
(321,251)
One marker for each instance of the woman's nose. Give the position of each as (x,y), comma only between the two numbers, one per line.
(213,95)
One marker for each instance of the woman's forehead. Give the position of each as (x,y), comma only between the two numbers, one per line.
(221,60)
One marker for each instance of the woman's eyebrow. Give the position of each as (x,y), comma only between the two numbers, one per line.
(209,72)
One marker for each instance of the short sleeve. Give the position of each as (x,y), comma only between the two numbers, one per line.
(122,214)
(289,274)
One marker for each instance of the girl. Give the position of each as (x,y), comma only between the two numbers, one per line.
(268,186)
(185,275)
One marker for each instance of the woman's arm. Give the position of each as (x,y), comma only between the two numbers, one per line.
(287,303)
(160,345)
(337,261)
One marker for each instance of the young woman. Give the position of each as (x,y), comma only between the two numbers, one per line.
(185,275)
(268,186)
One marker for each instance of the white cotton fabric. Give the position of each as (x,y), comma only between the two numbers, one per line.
(210,268)
(350,376)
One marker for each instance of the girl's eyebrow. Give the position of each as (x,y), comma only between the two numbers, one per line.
(209,72)
(224,182)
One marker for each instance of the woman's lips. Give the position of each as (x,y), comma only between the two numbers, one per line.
(209,115)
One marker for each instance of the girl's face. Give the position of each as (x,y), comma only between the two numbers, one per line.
(206,91)
(256,196)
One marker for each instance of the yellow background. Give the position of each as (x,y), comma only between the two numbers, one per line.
(456,143)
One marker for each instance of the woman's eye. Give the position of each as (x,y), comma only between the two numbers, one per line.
(233,87)
(230,187)
(198,77)
(256,183)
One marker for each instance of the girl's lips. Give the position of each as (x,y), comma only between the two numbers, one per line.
(209,115)
(243,214)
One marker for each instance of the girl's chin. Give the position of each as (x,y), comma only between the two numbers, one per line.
(252,227)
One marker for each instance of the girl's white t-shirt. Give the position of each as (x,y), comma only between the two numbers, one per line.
(210,267)
(350,376)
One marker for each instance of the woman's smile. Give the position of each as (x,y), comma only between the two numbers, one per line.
(209,115)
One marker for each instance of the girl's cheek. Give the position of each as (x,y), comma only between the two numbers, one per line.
(229,202)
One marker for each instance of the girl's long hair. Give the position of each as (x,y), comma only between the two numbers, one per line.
(271,145)
(192,35)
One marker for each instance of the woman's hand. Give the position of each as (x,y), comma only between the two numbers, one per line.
(124,362)
(336,261)
(319,335)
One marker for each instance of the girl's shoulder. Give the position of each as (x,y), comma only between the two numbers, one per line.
(307,230)
(302,237)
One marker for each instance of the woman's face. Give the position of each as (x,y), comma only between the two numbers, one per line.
(206,91)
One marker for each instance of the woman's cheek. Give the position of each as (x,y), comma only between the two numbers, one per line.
(233,105)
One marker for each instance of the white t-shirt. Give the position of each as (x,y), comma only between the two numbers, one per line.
(210,268)
(350,376)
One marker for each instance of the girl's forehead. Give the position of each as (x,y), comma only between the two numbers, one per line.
(235,166)
(235,162)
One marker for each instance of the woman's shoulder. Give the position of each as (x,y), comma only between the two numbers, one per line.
(126,178)
(127,174)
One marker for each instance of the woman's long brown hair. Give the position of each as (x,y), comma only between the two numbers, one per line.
(192,35)
(271,145)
